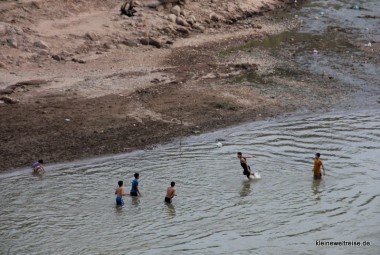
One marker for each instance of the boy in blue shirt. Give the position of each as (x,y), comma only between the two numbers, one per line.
(135,186)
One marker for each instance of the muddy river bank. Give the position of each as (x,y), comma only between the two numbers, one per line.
(319,60)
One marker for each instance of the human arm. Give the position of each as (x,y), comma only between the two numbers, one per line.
(123,193)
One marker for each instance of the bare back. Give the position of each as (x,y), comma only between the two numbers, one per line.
(120,192)
(170,192)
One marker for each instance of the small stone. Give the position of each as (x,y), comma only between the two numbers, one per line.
(191,20)
(151,41)
(171,18)
(144,41)
(130,43)
(155,42)
(12,43)
(41,44)
(182,22)
(75,60)
(183,30)
(9,100)
(168,6)
(58,57)
(199,28)
(91,36)
(108,46)
(184,13)
(176,10)
(160,8)
(215,17)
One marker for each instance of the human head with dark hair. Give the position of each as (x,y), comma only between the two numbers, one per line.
(40,161)
(239,154)
(137,175)
(120,183)
(318,155)
(172,184)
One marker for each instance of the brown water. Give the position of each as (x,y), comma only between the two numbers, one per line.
(71,209)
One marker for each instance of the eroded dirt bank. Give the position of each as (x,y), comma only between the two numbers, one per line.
(80,82)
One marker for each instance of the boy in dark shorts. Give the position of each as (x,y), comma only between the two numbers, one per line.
(243,162)
(170,193)
(318,164)
(135,186)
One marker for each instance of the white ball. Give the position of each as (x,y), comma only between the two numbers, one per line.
(219,145)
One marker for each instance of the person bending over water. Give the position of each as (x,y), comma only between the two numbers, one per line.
(170,193)
(317,167)
(244,164)
(38,167)
(120,192)
(135,186)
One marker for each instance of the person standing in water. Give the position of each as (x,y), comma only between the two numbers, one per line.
(318,164)
(170,193)
(135,186)
(244,164)
(120,192)
(38,167)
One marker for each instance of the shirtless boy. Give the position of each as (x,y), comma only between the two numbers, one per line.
(243,162)
(317,167)
(170,193)
(120,192)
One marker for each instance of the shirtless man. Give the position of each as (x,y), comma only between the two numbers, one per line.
(38,167)
(243,162)
(170,193)
(120,192)
(317,167)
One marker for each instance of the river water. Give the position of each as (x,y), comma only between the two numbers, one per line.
(71,208)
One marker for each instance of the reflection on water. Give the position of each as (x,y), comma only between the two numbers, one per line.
(135,201)
(315,188)
(171,209)
(246,188)
(39,176)
(71,209)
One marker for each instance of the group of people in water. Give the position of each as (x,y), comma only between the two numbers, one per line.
(171,191)
(135,191)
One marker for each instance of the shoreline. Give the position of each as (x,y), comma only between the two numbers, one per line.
(174,141)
